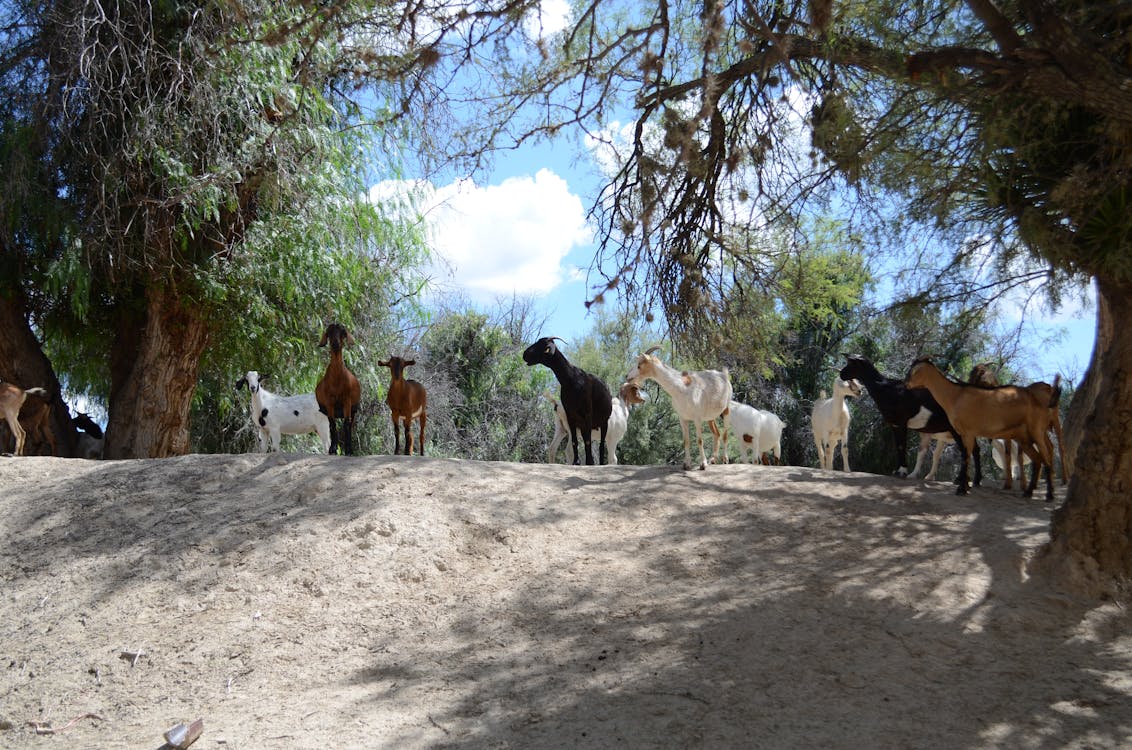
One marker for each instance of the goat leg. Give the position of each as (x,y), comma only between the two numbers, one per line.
(966,451)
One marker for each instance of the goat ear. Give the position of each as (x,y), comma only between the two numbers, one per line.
(242,382)
(263,376)
(322,341)
(383,363)
(409,362)
(349,338)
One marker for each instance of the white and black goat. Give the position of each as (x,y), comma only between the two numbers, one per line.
(628,397)
(698,397)
(274,416)
(903,409)
(586,400)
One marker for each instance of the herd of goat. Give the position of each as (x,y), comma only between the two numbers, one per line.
(925,401)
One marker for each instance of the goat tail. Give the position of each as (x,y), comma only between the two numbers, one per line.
(1055,398)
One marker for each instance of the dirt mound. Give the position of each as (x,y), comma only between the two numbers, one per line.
(301,601)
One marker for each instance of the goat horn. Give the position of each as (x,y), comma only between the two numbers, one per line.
(652,349)
(558,338)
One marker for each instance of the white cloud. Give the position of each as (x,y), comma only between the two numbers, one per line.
(551,17)
(500,239)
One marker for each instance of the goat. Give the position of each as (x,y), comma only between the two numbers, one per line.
(274,416)
(697,397)
(757,431)
(91,437)
(983,374)
(902,408)
(628,396)
(585,399)
(407,401)
(830,421)
(1006,412)
(941,440)
(338,393)
(35,418)
(12,399)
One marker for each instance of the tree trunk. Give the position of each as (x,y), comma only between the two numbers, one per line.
(23,362)
(1090,547)
(1081,407)
(153,373)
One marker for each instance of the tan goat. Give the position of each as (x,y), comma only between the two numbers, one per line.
(1007,412)
(984,374)
(12,398)
(407,401)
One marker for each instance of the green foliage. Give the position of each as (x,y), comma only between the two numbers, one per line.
(484,402)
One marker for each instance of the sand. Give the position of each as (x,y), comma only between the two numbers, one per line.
(303,601)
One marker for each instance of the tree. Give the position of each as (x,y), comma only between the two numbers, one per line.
(488,404)
(162,156)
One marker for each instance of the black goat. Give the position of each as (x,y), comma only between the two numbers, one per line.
(902,408)
(91,438)
(586,400)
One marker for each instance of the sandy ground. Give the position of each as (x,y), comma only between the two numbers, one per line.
(301,601)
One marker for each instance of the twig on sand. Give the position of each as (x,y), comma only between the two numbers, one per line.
(40,727)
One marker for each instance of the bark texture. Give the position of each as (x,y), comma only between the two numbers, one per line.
(1090,548)
(154,368)
(1084,398)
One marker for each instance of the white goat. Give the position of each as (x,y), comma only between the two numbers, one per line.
(941,440)
(831,422)
(274,416)
(628,397)
(757,431)
(697,397)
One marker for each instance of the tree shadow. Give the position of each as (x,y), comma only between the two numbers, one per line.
(778,613)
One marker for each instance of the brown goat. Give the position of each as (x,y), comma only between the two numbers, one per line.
(35,418)
(338,392)
(12,399)
(983,374)
(1007,412)
(407,401)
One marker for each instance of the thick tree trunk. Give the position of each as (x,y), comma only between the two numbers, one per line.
(23,362)
(1085,396)
(153,373)
(1090,547)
